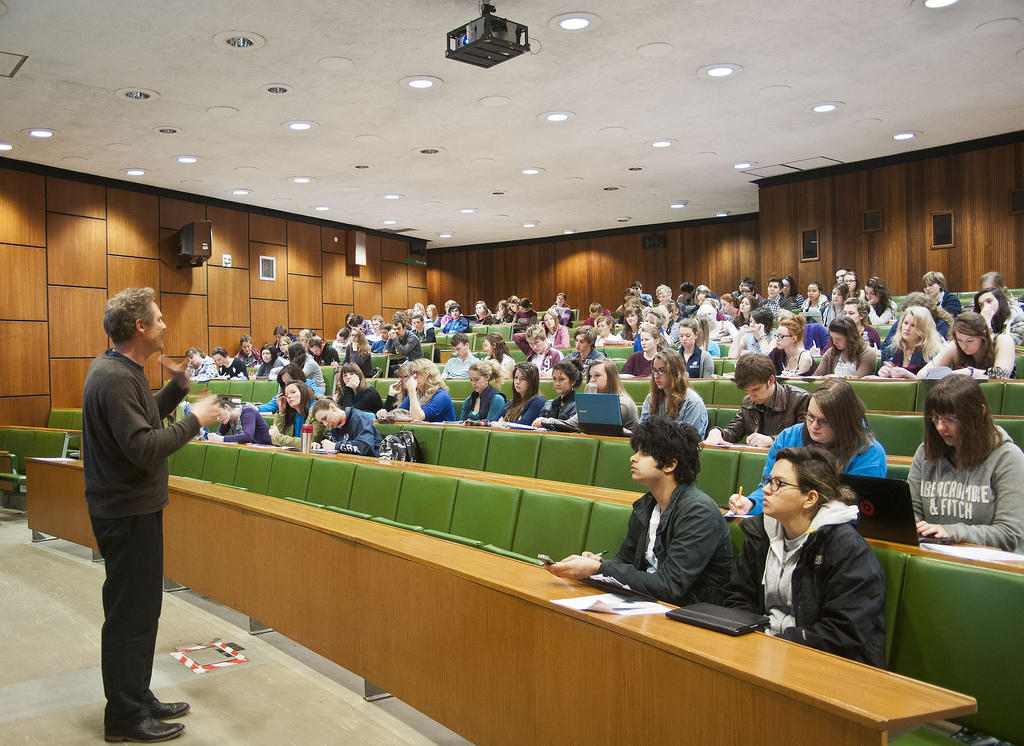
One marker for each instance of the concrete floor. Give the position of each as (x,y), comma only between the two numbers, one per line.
(51,691)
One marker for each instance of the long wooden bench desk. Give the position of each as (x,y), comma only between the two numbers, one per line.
(472,639)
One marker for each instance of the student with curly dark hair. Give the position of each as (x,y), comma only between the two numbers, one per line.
(677,546)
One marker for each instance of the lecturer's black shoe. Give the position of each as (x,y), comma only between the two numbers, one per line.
(167,710)
(146,731)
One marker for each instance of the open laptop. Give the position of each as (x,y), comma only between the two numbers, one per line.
(886,509)
(599,414)
(811,314)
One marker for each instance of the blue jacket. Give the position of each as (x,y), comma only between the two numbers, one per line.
(869,463)
(531,411)
(456,325)
(357,435)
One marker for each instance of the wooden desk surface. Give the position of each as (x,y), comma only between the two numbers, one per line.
(472,640)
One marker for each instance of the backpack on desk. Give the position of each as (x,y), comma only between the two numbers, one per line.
(400,446)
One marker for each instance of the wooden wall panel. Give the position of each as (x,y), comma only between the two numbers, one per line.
(305,302)
(393,250)
(337,282)
(370,272)
(266,314)
(303,248)
(30,411)
(133,225)
(334,319)
(76,250)
(333,240)
(395,285)
(172,279)
(67,375)
(174,213)
(76,322)
(367,299)
(276,290)
(230,230)
(22,208)
(75,198)
(417,275)
(25,298)
(227,337)
(417,295)
(131,272)
(187,325)
(267,229)
(229,296)
(24,376)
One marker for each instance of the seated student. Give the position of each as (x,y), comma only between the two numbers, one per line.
(525,315)
(565,377)
(359,352)
(835,420)
(375,333)
(943,321)
(294,412)
(269,361)
(396,391)
(561,309)
(1015,324)
(246,354)
(657,317)
(677,546)
(228,367)
(534,344)
(323,354)
(805,565)
(483,313)
(849,355)
(775,299)
(341,341)
(286,375)
(917,344)
(638,365)
(486,403)
(834,310)
(457,324)
(421,330)
(604,379)
(631,321)
(994,306)
(585,337)
(789,357)
(857,309)
(967,477)
(502,313)
(526,399)
(816,297)
(605,332)
(282,347)
(348,430)
(598,311)
(427,398)
(558,335)
(973,352)
(430,317)
(768,408)
(719,330)
(458,365)
(495,349)
(297,356)
(671,394)
(200,368)
(760,336)
(401,341)
(351,389)
(239,423)
(881,309)
(699,362)
(934,286)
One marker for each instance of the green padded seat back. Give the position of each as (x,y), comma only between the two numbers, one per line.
(514,453)
(897,471)
(459,389)
(380,362)
(76,419)
(516,354)
(547,388)
(375,490)
(728,366)
(891,396)
(220,463)
(565,458)
(427,500)
(551,524)
(617,352)
(895,566)
(216,387)
(505,330)
(1018,362)
(49,444)
(727,394)
(1013,428)
(719,468)
(620,364)
(507,390)
(607,528)
(719,366)
(253,470)
(428,440)
(382,385)
(736,536)
(188,461)
(994,393)
(637,388)
(725,416)
(800,383)
(328,372)
(612,467)
(486,512)
(705,387)
(330,482)
(386,428)
(464,447)
(20,444)
(427,348)
(958,627)
(289,475)
(241,388)
(750,471)
(1013,398)
(59,418)
(723,349)
(264,391)
(899,434)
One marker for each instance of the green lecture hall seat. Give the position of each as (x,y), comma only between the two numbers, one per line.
(60,418)
(188,461)
(464,448)
(428,439)
(607,528)
(705,387)
(718,471)
(216,387)
(241,388)
(726,394)
(725,415)
(751,468)
(612,467)
(513,453)
(330,482)
(617,352)
(252,472)
(484,514)
(264,391)
(219,466)
(897,471)
(289,476)
(375,491)
(550,524)
(637,388)
(899,434)
(895,566)
(425,501)
(888,396)
(567,459)
(1013,399)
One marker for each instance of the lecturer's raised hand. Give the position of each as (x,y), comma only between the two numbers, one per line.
(175,371)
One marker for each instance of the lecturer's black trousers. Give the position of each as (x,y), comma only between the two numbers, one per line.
(133,550)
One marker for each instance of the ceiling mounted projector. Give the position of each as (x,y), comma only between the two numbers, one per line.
(488,40)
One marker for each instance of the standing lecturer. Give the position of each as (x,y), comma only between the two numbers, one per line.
(125,450)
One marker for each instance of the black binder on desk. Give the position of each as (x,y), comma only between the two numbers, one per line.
(733,622)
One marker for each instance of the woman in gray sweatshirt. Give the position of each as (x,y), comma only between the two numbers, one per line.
(967,478)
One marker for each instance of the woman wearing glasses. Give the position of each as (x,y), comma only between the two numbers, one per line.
(671,394)
(967,478)
(789,356)
(805,565)
(835,420)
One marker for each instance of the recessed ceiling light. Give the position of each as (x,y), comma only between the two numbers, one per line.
(134,172)
(530,224)
(444,235)
(611,188)
(392,196)
(420,82)
(568,231)
(299,125)
(635,168)
(938,3)
(6,146)
(136,94)
(743,165)
(904,135)
(361,166)
(467,210)
(677,205)
(532,171)
(662,143)
(241,192)
(41,133)
(430,150)
(389,222)
(722,214)
(187,159)
(276,89)
(557,116)
(301,179)
(239,42)
(575,21)
(166,130)
(321,208)
(719,70)
(623,219)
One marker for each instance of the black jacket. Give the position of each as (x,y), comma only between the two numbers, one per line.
(692,547)
(838,590)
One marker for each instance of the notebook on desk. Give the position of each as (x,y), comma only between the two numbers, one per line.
(599,414)
(886,509)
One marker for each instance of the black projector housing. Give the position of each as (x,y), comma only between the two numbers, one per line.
(488,40)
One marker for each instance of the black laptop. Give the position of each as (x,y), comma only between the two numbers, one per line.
(886,509)
(599,414)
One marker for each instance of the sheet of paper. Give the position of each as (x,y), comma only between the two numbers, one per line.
(610,603)
(981,554)
(730,514)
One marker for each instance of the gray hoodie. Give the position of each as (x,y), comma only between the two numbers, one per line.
(983,504)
